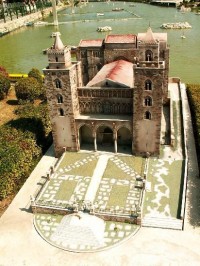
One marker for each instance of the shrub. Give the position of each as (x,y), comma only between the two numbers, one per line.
(35,73)
(18,155)
(35,119)
(28,90)
(3,72)
(4,86)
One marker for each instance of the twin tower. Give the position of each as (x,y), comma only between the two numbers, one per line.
(112,97)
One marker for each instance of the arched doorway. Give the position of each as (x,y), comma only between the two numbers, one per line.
(124,140)
(85,138)
(105,140)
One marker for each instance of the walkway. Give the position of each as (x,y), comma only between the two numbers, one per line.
(192,214)
(20,243)
(96,178)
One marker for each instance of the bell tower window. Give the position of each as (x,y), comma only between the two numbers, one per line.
(60,98)
(147,115)
(148,101)
(58,84)
(56,59)
(149,55)
(61,112)
(148,85)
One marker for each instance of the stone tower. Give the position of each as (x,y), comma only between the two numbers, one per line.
(150,91)
(62,77)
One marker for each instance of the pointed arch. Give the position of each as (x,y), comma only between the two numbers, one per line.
(148,101)
(148,55)
(61,112)
(147,115)
(148,85)
(60,98)
(58,83)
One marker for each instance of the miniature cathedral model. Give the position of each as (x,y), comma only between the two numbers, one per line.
(113,95)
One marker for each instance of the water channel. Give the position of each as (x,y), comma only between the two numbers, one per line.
(21,50)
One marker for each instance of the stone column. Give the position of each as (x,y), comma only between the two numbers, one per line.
(115,137)
(115,143)
(78,140)
(95,142)
(94,134)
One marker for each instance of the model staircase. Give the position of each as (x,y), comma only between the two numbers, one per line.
(162,222)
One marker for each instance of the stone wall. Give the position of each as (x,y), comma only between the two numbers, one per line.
(20,22)
(105,216)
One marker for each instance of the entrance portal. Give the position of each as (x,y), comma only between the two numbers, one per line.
(105,139)
(85,138)
(124,140)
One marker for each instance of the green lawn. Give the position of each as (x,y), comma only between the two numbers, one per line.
(84,170)
(66,190)
(113,171)
(171,181)
(136,163)
(118,196)
(70,158)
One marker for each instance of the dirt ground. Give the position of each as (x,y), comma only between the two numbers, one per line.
(7,107)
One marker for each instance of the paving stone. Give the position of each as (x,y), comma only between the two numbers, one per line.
(105,198)
(46,228)
(121,234)
(112,226)
(107,240)
(45,196)
(105,234)
(47,234)
(112,234)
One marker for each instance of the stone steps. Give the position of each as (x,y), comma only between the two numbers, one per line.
(162,222)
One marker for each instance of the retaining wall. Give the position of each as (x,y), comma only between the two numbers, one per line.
(20,22)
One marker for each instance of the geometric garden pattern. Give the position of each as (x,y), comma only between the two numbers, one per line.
(119,191)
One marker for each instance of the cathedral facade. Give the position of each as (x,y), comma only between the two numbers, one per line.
(112,96)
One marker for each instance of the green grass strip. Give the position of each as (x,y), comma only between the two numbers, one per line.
(66,190)
(113,171)
(118,196)
(84,170)
(71,158)
(135,163)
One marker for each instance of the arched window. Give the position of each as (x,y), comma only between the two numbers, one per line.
(148,85)
(148,101)
(58,83)
(56,59)
(148,55)
(147,115)
(60,98)
(61,112)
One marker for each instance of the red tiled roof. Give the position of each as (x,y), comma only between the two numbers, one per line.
(123,38)
(91,43)
(120,72)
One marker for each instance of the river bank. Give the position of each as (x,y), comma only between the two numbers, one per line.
(17,23)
